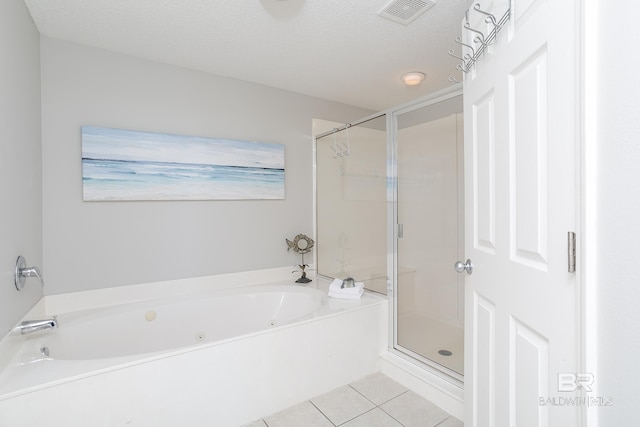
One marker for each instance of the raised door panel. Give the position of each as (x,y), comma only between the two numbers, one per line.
(528,111)
(484,163)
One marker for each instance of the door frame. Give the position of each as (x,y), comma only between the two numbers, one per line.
(587,180)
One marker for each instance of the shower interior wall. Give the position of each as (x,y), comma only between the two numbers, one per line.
(430,209)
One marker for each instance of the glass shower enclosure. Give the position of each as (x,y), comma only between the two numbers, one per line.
(351,203)
(389,212)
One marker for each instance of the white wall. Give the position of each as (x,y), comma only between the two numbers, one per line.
(20,158)
(89,245)
(618,211)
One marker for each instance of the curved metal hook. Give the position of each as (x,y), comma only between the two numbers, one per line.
(480,38)
(462,68)
(489,19)
(453,53)
(459,41)
(496,26)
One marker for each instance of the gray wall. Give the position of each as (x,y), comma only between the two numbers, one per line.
(20,158)
(89,245)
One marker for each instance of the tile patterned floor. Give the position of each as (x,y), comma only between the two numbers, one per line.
(374,401)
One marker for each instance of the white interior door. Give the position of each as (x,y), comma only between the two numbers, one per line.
(520,197)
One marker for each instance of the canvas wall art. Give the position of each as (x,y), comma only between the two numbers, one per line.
(130,165)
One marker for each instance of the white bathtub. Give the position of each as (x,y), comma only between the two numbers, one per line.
(166,324)
(199,357)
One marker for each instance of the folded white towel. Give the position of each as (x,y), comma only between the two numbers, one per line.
(343,295)
(336,282)
(336,287)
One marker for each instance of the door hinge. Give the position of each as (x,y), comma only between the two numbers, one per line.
(571,251)
(400,231)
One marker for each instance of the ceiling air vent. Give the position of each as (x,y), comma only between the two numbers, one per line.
(405,11)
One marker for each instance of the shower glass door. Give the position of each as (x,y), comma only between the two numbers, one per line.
(351,207)
(429,294)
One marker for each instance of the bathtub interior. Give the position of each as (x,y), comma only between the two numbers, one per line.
(165,324)
(92,341)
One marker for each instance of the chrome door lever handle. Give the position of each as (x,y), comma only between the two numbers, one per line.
(464,266)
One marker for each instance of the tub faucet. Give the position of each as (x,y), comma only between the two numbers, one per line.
(29,326)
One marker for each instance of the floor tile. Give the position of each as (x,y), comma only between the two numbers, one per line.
(412,410)
(342,404)
(373,418)
(451,422)
(378,388)
(303,414)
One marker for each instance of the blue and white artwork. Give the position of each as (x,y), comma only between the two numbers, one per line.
(129,165)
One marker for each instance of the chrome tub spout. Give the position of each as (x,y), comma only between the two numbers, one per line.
(29,326)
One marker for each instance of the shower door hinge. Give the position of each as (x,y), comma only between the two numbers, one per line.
(571,251)
(400,231)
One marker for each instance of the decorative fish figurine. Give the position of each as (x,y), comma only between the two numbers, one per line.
(300,244)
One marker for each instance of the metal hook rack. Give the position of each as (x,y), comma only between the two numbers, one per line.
(480,42)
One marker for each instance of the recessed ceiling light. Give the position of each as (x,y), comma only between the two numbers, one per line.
(413,78)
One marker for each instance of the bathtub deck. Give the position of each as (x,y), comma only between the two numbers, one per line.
(375,400)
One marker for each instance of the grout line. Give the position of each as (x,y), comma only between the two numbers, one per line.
(353,388)
(442,422)
(388,400)
(355,418)
(391,416)
(375,406)
(323,414)
(379,406)
(404,392)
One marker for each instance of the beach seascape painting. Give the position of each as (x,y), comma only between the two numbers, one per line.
(130,165)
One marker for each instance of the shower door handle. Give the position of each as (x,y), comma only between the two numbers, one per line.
(464,266)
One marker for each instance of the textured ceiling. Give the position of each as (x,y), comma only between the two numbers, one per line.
(339,50)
